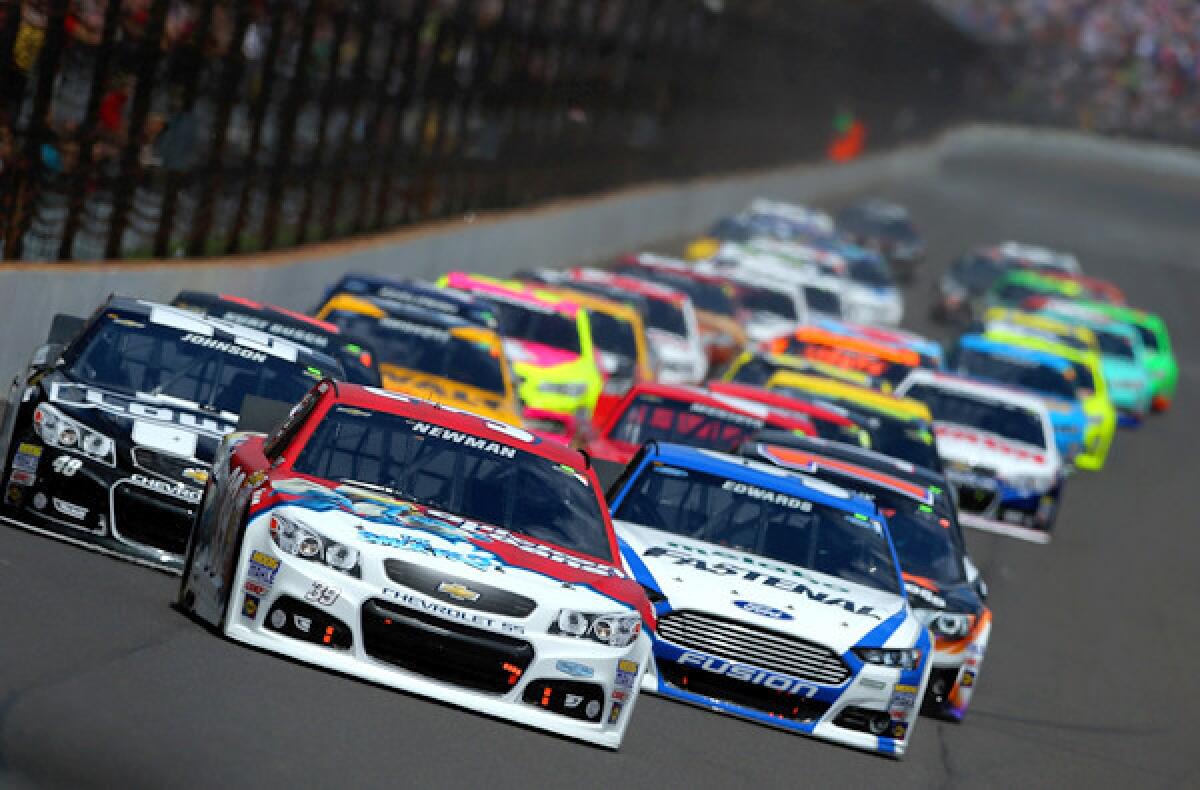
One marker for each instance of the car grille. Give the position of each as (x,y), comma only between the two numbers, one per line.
(465,594)
(167,464)
(749,644)
(146,518)
(781,704)
(443,650)
(972,499)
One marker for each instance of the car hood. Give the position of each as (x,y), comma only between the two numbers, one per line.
(700,576)
(160,423)
(383,528)
(974,447)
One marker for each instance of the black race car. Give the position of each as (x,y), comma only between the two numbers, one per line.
(962,287)
(885,227)
(357,358)
(109,434)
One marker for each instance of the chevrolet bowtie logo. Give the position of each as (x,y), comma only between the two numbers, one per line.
(459,592)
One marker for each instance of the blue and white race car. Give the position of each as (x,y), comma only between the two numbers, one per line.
(778,597)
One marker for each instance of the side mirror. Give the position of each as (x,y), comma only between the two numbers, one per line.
(262,415)
(46,356)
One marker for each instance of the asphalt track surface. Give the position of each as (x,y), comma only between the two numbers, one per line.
(1090,679)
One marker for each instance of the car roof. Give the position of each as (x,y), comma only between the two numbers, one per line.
(419,292)
(762,475)
(817,335)
(873,459)
(512,291)
(860,397)
(650,290)
(805,459)
(992,345)
(381,400)
(778,400)
(190,321)
(977,387)
(388,308)
(716,400)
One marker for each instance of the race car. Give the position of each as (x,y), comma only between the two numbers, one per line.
(1090,386)
(684,415)
(887,228)
(871,295)
(549,341)
(757,367)
(424,549)
(415,293)
(962,288)
(111,431)
(1050,377)
(712,297)
(1038,258)
(941,581)
(879,360)
(899,427)
(778,597)
(1158,358)
(354,354)
(433,355)
(998,447)
(670,318)
(829,421)
(1123,357)
(774,295)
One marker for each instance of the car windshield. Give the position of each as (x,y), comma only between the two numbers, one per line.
(823,300)
(977,273)
(707,296)
(650,417)
(779,526)
(869,271)
(767,300)
(1018,372)
(985,414)
(535,325)
(666,316)
(1014,294)
(613,335)
(1114,345)
(427,348)
(924,539)
(127,353)
(489,481)
(1149,340)
(1085,383)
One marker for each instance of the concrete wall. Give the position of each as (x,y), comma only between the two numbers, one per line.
(557,234)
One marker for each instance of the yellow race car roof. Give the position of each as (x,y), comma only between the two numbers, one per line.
(820,386)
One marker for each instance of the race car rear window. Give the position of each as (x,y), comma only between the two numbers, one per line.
(823,300)
(426,348)
(614,335)
(665,316)
(538,326)
(128,353)
(1115,345)
(497,483)
(759,520)
(660,419)
(766,300)
(1149,339)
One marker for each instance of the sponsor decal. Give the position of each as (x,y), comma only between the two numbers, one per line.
(459,592)
(79,396)
(70,509)
(788,585)
(25,462)
(176,489)
(255,588)
(480,560)
(871,683)
(225,346)
(748,674)
(420,330)
(301,336)
(928,596)
(450,613)
(626,679)
(20,477)
(968,680)
(899,731)
(756,562)
(250,606)
(66,465)
(951,431)
(322,594)
(27,448)
(574,669)
(197,475)
(465,439)
(904,699)
(301,622)
(262,568)
(729,416)
(766,495)
(762,610)
(615,712)
(620,694)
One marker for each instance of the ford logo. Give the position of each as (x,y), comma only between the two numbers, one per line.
(574,669)
(762,610)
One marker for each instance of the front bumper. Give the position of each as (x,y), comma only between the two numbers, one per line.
(1098,440)
(134,513)
(540,680)
(987,498)
(838,713)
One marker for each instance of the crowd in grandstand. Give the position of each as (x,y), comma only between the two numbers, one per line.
(1112,65)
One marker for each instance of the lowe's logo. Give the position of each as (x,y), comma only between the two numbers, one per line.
(747,674)
(762,610)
